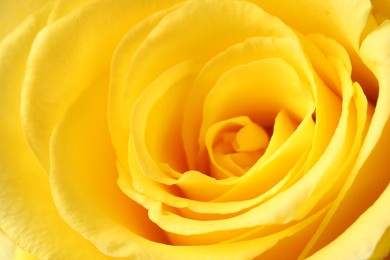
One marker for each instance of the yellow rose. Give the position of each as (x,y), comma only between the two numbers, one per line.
(201,129)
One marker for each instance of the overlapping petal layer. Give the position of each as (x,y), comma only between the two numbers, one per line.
(28,214)
(204,129)
(195,196)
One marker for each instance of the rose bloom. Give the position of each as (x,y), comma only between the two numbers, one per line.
(203,129)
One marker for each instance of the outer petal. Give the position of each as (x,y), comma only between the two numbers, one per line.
(383,247)
(83,179)
(346,21)
(339,19)
(63,62)
(371,174)
(13,12)
(27,213)
(7,247)
(20,254)
(359,241)
(93,205)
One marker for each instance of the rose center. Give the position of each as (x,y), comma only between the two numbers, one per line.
(234,145)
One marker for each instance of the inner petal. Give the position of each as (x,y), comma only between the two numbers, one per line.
(155,125)
(234,145)
(194,183)
(251,137)
(257,91)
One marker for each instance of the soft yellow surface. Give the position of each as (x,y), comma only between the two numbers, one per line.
(21,254)
(13,12)
(201,129)
(27,210)
(7,247)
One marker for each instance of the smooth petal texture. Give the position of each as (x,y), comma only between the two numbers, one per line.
(199,30)
(62,8)
(381,10)
(375,52)
(27,212)
(382,248)
(228,140)
(199,129)
(92,203)
(370,171)
(325,168)
(253,90)
(63,56)
(163,99)
(158,39)
(121,63)
(360,239)
(7,247)
(343,20)
(93,206)
(267,171)
(329,17)
(14,12)
(20,254)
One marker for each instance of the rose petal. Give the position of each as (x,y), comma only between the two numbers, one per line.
(360,239)
(284,206)
(14,12)
(7,247)
(200,29)
(382,249)
(269,171)
(369,172)
(381,10)
(28,214)
(249,90)
(163,99)
(270,233)
(20,254)
(118,122)
(62,8)
(83,202)
(63,62)
(228,140)
(326,17)
(83,179)
(253,49)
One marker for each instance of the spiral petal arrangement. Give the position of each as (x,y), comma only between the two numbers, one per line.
(201,129)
